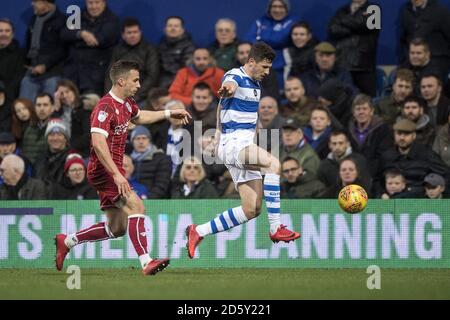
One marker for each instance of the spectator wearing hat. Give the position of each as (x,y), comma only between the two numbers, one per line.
(438,105)
(414,160)
(338,98)
(323,69)
(139,188)
(356,44)
(434,186)
(274,28)
(389,108)
(50,165)
(5,109)
(34,141)
(294,145)
(413,110)
(17,185)
(8,145)
(369,135)
(74,185)
(90,47)
(12,59)
(45,51)
(441,144)
(152,167)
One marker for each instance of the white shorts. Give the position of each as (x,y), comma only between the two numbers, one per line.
(230,146)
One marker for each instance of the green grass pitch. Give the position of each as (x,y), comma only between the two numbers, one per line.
(239,284)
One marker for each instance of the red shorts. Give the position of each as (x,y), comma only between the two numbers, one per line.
(106,189)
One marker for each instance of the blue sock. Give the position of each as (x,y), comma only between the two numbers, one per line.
(226,220)
(272,197)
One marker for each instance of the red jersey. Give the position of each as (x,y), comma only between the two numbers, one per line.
(110,117)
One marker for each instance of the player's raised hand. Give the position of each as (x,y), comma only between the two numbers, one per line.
(226,91)
(122,185)
(181,114)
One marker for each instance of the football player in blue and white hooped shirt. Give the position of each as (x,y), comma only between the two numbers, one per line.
(237,117)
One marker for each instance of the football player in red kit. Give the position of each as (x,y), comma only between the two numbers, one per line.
(109,130)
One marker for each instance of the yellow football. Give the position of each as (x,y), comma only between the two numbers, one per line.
(353,198)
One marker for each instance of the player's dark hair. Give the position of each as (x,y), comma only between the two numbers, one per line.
(130,22)
(261,51)
(412,98)
(290,159)
(44,94)
(120,68)
(202,86)
(176,17)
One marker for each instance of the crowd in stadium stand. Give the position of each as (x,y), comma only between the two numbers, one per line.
(341,118)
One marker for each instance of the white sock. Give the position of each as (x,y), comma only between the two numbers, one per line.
(71,240)
(272,197)
(145,259)
(226,220)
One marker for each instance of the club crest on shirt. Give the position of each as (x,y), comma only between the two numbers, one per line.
(128,107)
(255,92)
(102,115)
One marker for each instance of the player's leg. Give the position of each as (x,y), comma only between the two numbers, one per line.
(112,228)
(133,208)
(255,157)
(251,197)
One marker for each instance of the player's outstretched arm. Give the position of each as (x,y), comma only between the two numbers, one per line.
(101,149)
(227,89)
(148,117)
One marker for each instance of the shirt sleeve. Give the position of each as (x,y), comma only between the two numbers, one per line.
(231,78)
(134,109)
(101,119)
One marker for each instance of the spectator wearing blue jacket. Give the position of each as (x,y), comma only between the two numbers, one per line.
(274,28)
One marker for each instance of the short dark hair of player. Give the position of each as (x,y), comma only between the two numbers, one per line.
(130,22)
(6,20)
(393,173)
(261,51)
(432,75)
(361,99)
(120,68)
(420,101)
(202,86)
(420,42)
(176,17)
(44,94)
(291,159)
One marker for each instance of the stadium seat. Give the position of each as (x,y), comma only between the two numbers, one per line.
(382,82)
